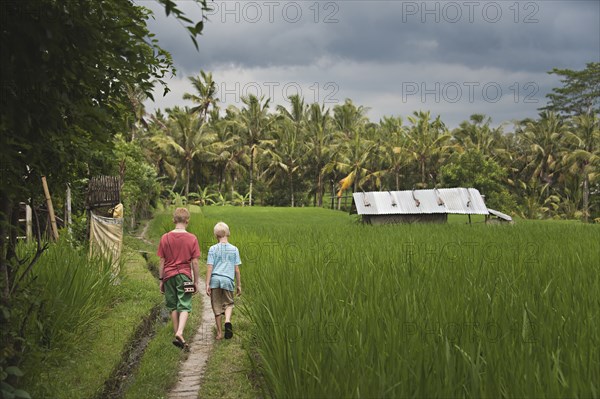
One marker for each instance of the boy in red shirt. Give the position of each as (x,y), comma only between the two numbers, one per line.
(179,252)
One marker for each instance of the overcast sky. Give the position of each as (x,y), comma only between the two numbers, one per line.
(454,58)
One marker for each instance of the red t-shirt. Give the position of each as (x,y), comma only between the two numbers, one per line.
(178,250)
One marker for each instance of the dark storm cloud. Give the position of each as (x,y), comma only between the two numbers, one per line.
(511,35)
(394,57)
(392,31)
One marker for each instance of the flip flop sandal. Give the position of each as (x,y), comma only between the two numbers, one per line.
(178,342)
(228,331)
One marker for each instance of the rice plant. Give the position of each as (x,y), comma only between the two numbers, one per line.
(345,310)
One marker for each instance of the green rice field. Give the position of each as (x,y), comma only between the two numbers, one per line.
(340,309)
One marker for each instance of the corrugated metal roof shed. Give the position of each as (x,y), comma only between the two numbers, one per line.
(466,201)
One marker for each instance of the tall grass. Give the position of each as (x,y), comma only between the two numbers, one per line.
(73,291)
(345,310)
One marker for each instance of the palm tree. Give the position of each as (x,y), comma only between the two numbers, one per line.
(234,168)
(290,146)
(297,113)
(319,137)
(544,141)
(477,133)
(583,154)
(287,156)
(185,138)
(227,148)
(394,146)
(350,122)
(428,142)
(136,97)
(352,158)
(535,203)
(164,163)
(206,90)
(255,123)
(349,118)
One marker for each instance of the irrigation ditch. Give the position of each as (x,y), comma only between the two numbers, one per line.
(123,373)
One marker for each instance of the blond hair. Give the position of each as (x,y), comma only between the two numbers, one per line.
(181,215)
(221,230)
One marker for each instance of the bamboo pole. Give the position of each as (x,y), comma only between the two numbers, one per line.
(50,209)
(68,220)
(28,223)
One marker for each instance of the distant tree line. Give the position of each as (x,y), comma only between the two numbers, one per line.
(299,154)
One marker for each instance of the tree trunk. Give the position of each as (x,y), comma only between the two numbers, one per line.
(187,181)
(232,186)
(68,220)
(292,189)
(198,176)
(319,188)
(5,209)
(221,177)
(251,176)
(11,252)
(586,198)
(133,210)
(51,215)
(356,179)
(397,181)
(332,194)
(29,223)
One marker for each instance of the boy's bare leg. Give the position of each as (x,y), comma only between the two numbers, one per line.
(175,318)
(228,312)
(219,328)
(183,316)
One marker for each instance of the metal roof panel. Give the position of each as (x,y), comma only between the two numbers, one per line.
(500,215)
(444,200)
(463,201)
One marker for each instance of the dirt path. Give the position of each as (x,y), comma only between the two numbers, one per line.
(142,235)
(192,369)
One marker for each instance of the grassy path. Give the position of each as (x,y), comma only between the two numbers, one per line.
(157,365)
(192,369)
(165,371)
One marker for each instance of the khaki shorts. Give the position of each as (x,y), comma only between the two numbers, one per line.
(220,300)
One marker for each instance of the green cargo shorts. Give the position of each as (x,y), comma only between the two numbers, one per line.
(175,298)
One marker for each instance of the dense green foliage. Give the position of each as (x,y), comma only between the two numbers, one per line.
(472,169)
(580,91)
(140,189)
(293,156)
(417,310)
(61,102)
(69,74)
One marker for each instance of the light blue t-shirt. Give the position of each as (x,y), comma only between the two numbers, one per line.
(224,257)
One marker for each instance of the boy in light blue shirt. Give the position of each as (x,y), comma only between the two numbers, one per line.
(223,271)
